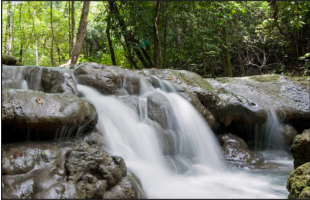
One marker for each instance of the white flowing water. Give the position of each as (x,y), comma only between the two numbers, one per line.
(270,133)
(205,176)
(24,85)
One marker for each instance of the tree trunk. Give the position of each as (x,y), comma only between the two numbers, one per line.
(52,59)
(109,40)
(72,25)
(227,72)
(69,28)
(12,29)
(204,62)
(129,37)
(37,57)
(156,38)
(176,30)
(22,38)
(165,37)
(81,33)
(8,31)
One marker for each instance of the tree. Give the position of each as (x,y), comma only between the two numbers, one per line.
(81,34)
(72,26)
(156,37)
(52,43)
(8,31)
(129,37)
(109,39)
(227,72)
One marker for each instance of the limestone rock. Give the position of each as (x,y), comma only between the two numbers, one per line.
(52,114)
(70,168)
(107,79)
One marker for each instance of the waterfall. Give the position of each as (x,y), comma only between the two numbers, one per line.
(193,168)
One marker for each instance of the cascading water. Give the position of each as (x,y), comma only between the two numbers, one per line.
(138,141)
(269,135)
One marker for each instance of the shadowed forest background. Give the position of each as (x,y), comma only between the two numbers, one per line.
(211,38)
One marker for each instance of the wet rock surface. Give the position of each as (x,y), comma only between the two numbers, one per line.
(131,102)
(72,168)
(298,183)
(236,150)
(289,133)
(108,79)
(54,114)
(45,79)
(158,109)
(301,148)
(254,94)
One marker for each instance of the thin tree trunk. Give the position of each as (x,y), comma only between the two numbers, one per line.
(52,59)
(165,37)
(81,33)
(176,30)
(8,31)
(22,35)
(110,41)
(227,72)
(156,38)
(37,56)
(72,24)
(69,28)
(12,31)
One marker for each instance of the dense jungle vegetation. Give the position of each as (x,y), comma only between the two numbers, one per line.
(211,38)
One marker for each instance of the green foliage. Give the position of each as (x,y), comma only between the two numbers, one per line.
(271,36)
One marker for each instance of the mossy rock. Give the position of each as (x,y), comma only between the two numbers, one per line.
(192,79)
(298,184)
(10,60)
(265,78)
(19,64)
(224,79)
(299,80)
(301,148)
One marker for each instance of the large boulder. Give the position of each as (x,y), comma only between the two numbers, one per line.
(73,168)
(48,115)
(48,80)
(298,184)
(301,148)
(109,80)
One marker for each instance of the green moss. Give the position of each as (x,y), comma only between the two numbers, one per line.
(224,79)
(265,78)
(192,79)
(298,182)
(303,80)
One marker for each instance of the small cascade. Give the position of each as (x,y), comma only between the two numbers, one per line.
(269,135)
(143,109)
(24,85)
